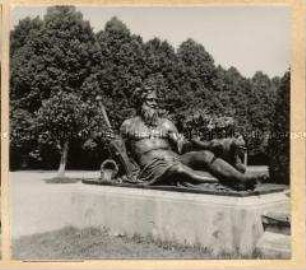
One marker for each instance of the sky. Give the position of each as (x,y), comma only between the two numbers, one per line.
(250,38)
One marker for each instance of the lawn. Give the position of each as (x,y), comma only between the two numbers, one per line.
(74,244)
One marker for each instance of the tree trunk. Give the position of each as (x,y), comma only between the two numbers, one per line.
(62,166)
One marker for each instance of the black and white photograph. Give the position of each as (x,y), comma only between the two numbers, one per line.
(150,132)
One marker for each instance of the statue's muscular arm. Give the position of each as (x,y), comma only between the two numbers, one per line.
(174,135)
(179,139)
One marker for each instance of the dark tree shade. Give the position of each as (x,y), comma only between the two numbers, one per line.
(279,144)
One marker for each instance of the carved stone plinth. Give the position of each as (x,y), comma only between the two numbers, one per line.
(222,224)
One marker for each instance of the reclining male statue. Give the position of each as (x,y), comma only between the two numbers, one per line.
(156,145)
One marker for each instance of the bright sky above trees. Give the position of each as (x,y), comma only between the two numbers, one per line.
(249,38)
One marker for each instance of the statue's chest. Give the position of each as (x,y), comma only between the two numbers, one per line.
(141,131)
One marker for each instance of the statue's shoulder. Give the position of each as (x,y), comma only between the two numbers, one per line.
(127,122)
(166,123)
(130,121)
(129,125)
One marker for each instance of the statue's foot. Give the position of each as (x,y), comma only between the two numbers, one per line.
(262,177)
(247,184)
(251,182)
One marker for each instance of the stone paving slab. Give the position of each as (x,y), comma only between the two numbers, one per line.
(37,206)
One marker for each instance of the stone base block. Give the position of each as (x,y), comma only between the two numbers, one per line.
(275,245)
(222,224)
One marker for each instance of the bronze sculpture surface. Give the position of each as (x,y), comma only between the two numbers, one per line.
(156,145)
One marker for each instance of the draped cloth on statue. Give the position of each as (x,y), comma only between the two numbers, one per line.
(156,171)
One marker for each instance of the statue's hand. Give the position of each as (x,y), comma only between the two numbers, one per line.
(180,143)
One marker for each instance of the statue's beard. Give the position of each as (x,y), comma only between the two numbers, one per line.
(149,116)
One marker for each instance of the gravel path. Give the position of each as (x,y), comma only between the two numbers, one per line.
(35,206)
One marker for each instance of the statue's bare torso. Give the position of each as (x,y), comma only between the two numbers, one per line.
(149,142)
(154,149)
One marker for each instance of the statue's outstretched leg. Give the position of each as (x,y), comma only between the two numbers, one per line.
(206,160)
(194,176)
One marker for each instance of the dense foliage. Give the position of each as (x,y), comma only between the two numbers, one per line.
(51,62)
(279,144)
(59,66)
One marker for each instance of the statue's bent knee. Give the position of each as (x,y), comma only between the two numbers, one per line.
(206,156)
(177,168)
(241,168)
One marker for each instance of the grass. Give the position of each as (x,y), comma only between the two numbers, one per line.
(91,243)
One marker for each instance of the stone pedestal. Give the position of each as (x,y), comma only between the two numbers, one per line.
(275,245)
(222,224)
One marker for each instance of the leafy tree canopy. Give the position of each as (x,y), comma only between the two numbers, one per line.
(58,64)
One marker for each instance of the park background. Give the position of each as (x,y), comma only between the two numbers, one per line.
(59,65)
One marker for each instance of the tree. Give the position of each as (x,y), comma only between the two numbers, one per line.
(161,65)
(22,137)
(197,61)
(59,57)
(279,143)
(121,70)
(52,63)
(260,102)
(232,91)
(26,29)
(60,120)
(194,76)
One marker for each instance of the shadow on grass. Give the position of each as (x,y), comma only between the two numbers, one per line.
(91,243)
